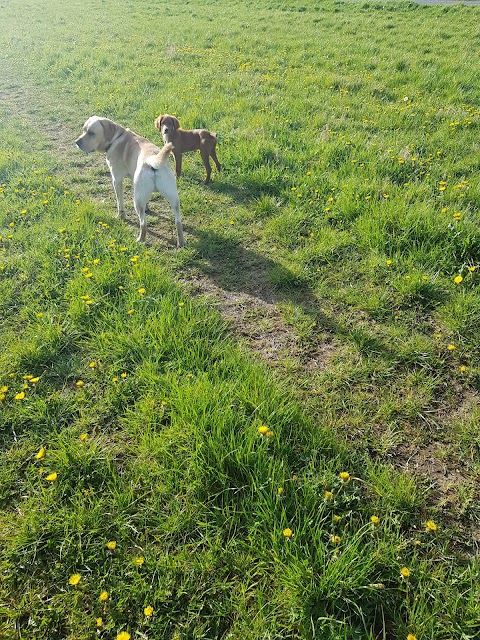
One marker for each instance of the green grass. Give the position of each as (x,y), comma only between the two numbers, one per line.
(347,205)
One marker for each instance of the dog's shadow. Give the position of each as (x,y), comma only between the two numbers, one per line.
(234,268)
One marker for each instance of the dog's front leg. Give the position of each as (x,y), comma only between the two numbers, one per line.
(178,163)
(118,186)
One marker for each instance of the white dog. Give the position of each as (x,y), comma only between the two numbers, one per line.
(131,156)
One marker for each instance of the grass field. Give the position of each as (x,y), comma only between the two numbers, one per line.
(273,433)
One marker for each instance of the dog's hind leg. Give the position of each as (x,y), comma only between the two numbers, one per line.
(171,194)
(142,191)
(175,204)
(118,187)
(215,159)
(206,161)
(140,209)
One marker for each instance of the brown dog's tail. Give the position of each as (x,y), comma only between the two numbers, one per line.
(160,158)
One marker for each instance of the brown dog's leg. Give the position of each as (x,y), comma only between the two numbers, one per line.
(206,161)
(178,163)
(215,159)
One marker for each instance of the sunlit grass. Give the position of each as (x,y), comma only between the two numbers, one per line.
(144,455)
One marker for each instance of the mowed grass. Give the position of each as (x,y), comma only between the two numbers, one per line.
(148,457)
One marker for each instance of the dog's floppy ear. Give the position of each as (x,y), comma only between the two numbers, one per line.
(176,123)
(109,129)
(158,122)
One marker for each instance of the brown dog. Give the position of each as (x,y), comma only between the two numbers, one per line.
(182,141)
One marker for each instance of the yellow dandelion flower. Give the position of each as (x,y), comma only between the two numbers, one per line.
(431,526)
(35,380)
(411,637)
(111,545)
(82,437)
(20,396)
(4,389)
(288,533)
(131,312)
(141,291)
(96,261)
(270,434)
(2,397)
(123,375)
(375,519)
(92,365)
(123,635)
(405,572)
(74,579)
(263,430)
(472,269)
(148,611)
(335,539)
(458,279)
(181,304)
(52,477)
(84,297)
(103,597)
(99,622)
(280,490)
(80,383)
(139,561)
(463,368)
(41,454)
(328,495)
(451,347)
(344,476)
(388,262)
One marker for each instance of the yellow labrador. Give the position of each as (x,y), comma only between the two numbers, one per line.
(131,156)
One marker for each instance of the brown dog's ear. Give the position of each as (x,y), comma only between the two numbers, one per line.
(158,122)
(176,123)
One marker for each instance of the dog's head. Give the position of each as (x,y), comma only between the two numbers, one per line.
(167,124)
(97,134)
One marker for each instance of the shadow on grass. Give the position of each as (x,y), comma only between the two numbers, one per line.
(236,269)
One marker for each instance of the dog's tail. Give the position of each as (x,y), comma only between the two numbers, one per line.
(160,158)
